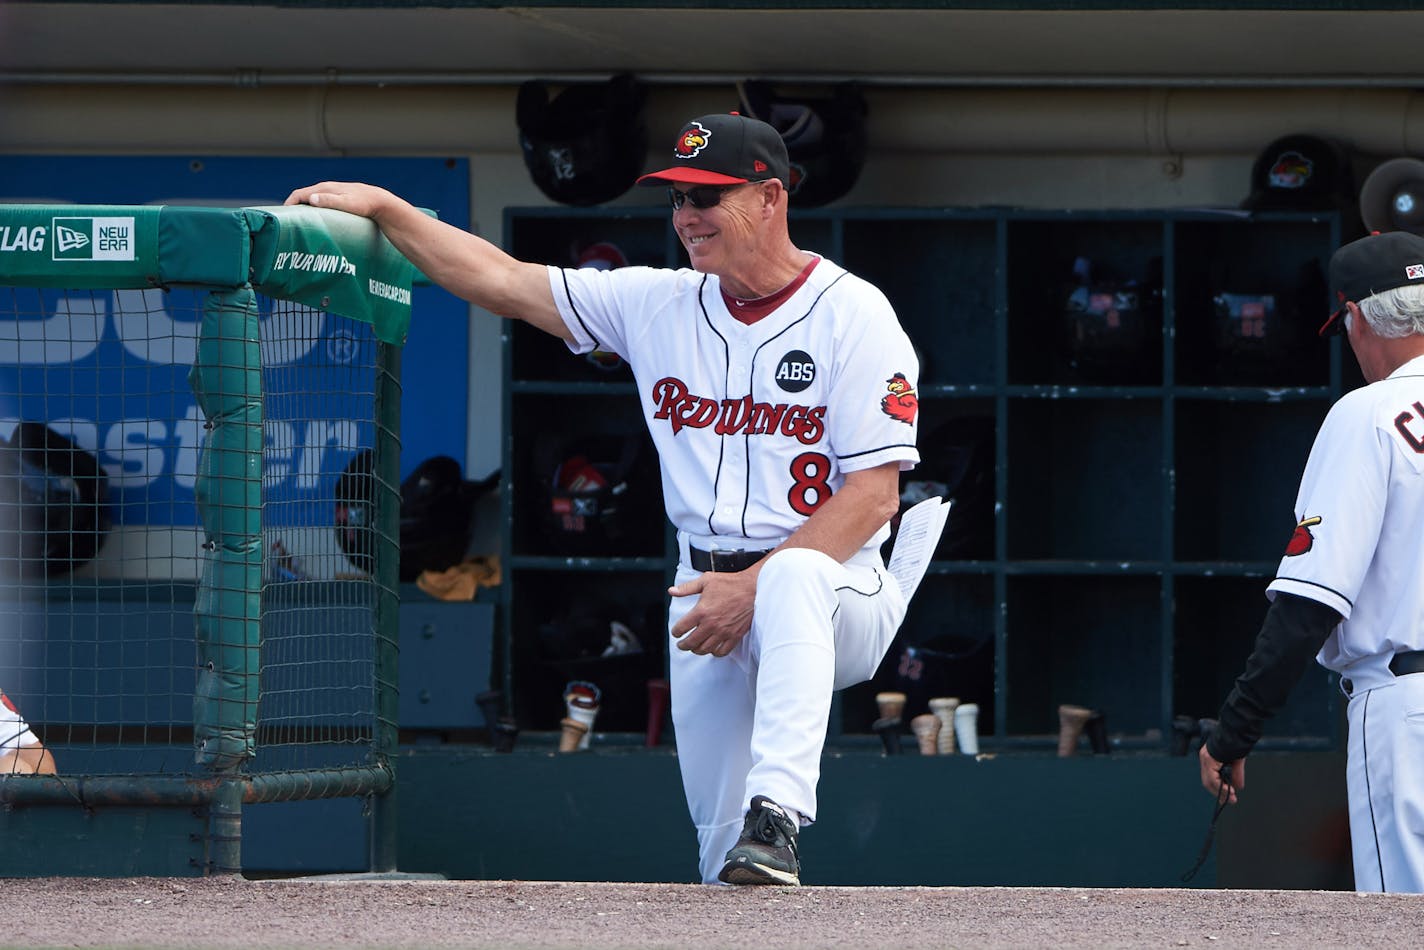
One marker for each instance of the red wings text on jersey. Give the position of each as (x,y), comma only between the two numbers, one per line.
(1401,425)
(806,424)
(1301,539)
(901,402)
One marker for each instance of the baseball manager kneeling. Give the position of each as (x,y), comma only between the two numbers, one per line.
(780,392)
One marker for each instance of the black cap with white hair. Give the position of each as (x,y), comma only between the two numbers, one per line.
(1372,265)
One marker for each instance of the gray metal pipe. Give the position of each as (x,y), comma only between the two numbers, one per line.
(262,78)
(409,119)
(107,790)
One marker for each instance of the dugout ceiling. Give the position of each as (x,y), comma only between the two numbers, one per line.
(994,42)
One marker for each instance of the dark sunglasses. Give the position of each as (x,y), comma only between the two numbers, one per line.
(702,197)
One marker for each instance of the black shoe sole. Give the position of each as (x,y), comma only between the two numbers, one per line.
(744,871)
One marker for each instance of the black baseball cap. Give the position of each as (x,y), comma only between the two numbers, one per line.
(1300,173)
(728,149)
(1371,265)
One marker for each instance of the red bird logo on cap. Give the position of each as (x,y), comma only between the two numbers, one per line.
(1291,170)
(694,139)
(1301,539)
(901,403)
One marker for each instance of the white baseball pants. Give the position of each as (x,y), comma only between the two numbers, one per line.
(754,722)
(1385,774)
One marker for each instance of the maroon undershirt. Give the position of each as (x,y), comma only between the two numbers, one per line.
(750,311)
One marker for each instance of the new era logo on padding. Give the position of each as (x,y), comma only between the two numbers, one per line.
(93,239)
(69,239)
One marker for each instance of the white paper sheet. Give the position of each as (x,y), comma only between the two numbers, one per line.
(920,528)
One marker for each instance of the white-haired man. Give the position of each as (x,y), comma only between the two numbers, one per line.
(1348,589)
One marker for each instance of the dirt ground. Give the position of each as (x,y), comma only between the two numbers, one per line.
(361,912)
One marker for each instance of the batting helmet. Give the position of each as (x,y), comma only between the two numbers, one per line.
(355,515)
(1300,173)
(1265,334)
(825,137)
(598,495)
(588,144)
(1111,324)
(53,502)
(437,515)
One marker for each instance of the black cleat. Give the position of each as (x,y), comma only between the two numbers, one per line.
(766,852)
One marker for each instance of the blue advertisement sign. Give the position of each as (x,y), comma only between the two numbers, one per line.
(111,367)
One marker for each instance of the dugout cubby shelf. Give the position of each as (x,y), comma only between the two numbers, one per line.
(1132,481)
(1084,479)
(1238,466)
(1043,259)
(1218,261)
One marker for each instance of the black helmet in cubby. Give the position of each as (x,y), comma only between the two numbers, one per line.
(825,135)
(1111,327)
(599,498)
(437,516)
(1263,328)
(1301,172)
(588,143)
(1305,172)
(355,515)
(54,506)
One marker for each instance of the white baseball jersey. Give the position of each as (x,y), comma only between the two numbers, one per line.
(755,425)
(1359,512)
(14,731)
(1356,548)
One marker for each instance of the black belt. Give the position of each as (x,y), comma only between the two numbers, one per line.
(1411,661)
(723,562)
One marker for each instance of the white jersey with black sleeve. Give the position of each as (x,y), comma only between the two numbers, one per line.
(755,425)
(1359,512)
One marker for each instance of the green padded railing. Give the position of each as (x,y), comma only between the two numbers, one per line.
(304,260)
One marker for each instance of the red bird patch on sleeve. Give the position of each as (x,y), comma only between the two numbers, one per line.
(1301,539)
(901,402)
